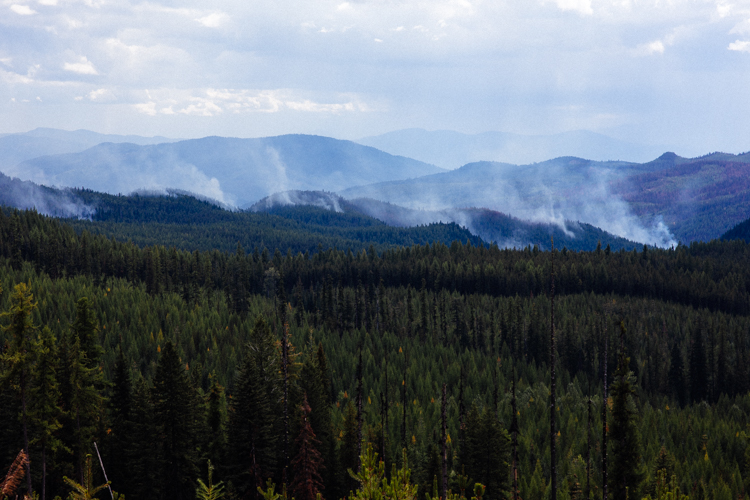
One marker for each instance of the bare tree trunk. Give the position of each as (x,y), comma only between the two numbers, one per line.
(552,399)
(444,449)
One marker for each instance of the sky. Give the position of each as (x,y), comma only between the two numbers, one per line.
(664,72)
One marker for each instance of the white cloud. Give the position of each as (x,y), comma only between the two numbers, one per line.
(48,3)
(655,47)
(102,95)
(147,108)
(82,67)
(213,20)
(580,6)
(214,102)
(22,10)
(740,46)
(10,77)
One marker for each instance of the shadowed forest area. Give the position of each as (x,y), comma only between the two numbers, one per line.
(286,370)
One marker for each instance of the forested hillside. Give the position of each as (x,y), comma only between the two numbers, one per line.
(168,357)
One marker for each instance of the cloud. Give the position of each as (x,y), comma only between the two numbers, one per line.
(214,102)
(740,46)
(102,95)
(22,10)
(580,6)
(11,77)
(82,67)
(655,47)
(213,20)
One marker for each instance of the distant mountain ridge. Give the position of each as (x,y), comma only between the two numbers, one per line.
(450,149)
(234,171)
(17,148)
(490,226)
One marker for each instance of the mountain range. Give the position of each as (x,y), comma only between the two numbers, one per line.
(233,171)
(658,202)
(449,149)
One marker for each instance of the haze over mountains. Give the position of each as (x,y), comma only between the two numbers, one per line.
(237,172)
(449,149)
(16,148)
(659,202)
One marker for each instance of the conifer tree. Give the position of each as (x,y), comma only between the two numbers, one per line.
(86,402)
(349,445)
(18,358)
(698,371)
(121,424)
(45,411)
(85,327)
(625,435)
(677,375)
(486,451)
(254,412)
(307,463)
(143,477)
(173,411)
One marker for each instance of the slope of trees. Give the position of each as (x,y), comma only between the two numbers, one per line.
(167,359)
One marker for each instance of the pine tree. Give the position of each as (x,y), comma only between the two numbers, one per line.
(173,411)
(486,452)
(86,403)
(698,371)
(254,413)
(677,375)
(86,329)
(121,424)
(45,411)
(349,445)
(307,463)
(18,358)
(625,435)
(143,476)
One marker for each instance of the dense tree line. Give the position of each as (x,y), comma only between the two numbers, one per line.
(168,359)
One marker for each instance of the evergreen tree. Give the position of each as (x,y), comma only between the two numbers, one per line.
(173,412)
(121,425)
(18,358)
(45,411)
(349,445)
(698,371)
(85,327)
(307,463)
(625,474)
(254,413)
(486,452)
(86,403)
(677,375)
(143,477)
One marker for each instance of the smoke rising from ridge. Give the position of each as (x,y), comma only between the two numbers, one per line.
(556,191)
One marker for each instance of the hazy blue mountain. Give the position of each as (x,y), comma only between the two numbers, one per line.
(489,225)
(233,171)
(449,149)
(16,148)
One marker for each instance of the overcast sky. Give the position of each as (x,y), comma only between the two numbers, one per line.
(667,72)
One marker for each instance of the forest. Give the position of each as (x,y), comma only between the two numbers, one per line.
(369,371)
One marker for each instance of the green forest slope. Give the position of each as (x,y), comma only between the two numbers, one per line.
(175,356)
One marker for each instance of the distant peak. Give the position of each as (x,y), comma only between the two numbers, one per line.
(668,156)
